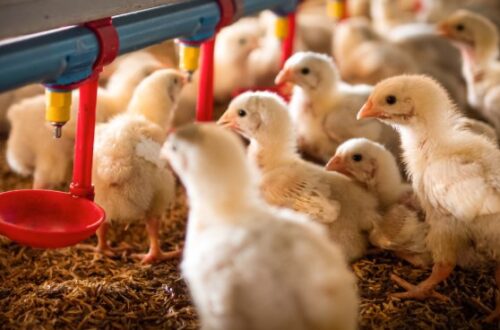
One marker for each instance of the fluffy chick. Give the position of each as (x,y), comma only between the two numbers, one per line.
(232,70)
(455,176)
(346,209)
(131,181)
(402,229)
(31,150)
(324,108)
(243,258)
(477,38)
(7,99)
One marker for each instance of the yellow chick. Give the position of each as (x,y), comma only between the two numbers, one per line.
(454,173)
(332,199)
(131,181)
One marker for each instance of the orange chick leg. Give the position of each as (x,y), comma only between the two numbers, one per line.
(102,244)
(425,289)
(495,315)
(155,253)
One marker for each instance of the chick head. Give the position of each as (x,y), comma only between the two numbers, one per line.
(311,71)
(359,158)
(171,79)
(406,100)
(206,158)
(236,41)
(258,116)
(468,29)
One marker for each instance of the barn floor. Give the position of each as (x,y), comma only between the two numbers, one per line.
(72,288)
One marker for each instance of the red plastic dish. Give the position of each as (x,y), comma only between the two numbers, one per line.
(48,219)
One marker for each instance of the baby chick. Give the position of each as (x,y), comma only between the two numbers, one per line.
(131,181)
(232,70)
(402,229)
(324,108)
(332,199)
(477,39)
(249,265)
(9,98)
(31,148)
(455,176)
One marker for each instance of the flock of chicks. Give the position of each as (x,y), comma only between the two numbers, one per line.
(398,166)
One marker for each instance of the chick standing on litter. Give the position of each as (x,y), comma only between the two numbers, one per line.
(329,198)
(402,228)
(31,149)
(324,108)
(455,176)
(131,181)
(477,39)
(249,265)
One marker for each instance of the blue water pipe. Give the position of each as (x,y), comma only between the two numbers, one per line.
(67,55)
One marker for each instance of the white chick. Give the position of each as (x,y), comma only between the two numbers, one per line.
(477,38)
(388,14)
(364,56)
(323,108)
(232,70)
(31,150)
(402,228)
(131,181)
(332,199)
(455,176)
(9,98)
(249,265)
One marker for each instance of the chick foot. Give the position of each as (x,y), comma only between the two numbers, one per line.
(156,256)
(155,253)
(102,246)
(418,292)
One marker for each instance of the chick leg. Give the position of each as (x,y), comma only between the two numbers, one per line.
(155,253)
(425,289)
(102,244)
(496,313)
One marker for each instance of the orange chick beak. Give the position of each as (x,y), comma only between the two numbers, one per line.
(284,76)
(444,30)
(227,120)
(368,111)
(336,164)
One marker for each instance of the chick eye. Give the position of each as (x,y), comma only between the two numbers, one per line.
(242,41)
(390,99)
(357,157)
(305,71)
(176,81)
(173,147)
(460,27)
(242,113)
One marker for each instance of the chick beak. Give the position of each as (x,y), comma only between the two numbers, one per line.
(284,76)
(368,111)
(227,121)
(443,30)
(336,164)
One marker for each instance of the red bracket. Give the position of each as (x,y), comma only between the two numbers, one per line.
(109,43)
(227,12)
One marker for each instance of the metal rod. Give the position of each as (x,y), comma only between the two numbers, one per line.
(66,55)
